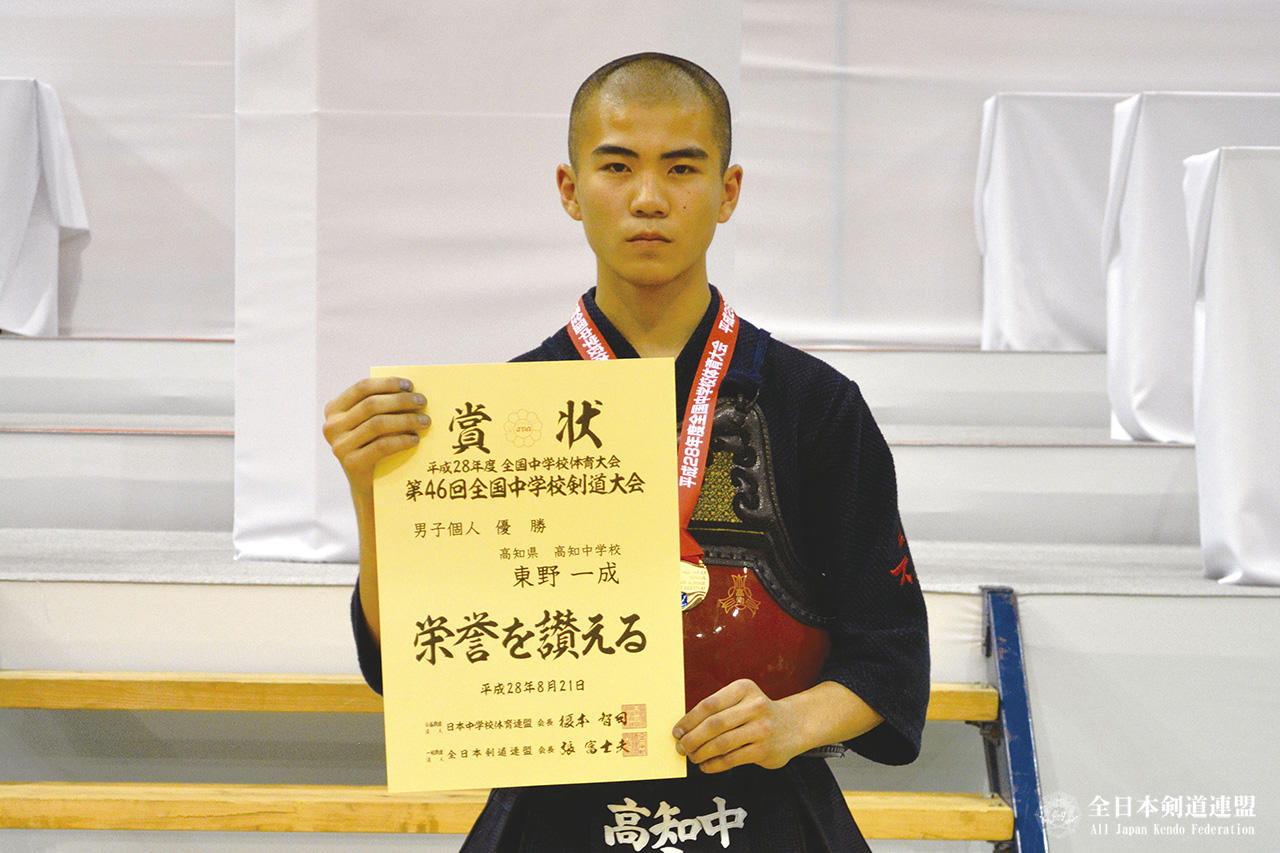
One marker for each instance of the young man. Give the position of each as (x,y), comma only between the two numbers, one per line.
(798,487)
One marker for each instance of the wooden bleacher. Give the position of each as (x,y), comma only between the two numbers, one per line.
(345,808)
(338,808)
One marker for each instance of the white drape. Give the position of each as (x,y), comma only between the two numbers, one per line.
(1038,204)
(1150,298)
(41,205)
(1233,217)
(147,90)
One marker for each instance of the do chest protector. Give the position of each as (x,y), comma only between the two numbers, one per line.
(760,618)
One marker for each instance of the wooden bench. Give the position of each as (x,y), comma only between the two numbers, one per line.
(332,694)
(337,808)
(340,808)
(356,809)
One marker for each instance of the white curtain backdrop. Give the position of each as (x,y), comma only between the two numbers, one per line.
(396,200)
(857,122)
(391,162)
(397,204)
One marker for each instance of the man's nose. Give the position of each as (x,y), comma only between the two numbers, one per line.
(649,198)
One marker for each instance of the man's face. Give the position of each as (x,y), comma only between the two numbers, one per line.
(648,190)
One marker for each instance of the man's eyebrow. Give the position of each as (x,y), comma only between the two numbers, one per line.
(693,152)
(614,151)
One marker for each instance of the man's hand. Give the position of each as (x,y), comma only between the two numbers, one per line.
(372,420)
(739,724)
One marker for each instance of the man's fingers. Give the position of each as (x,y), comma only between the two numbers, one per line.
(748,722)
(366,456)
(370,432)
(369,408)
(382,404)
(731,738)
(737,724)
(724,711)
(726,697)
(365,388)
(748,754)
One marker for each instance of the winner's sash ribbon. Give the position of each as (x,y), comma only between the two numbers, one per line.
(699,409)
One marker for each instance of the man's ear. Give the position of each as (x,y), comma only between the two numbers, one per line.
(568,185)
(732,189)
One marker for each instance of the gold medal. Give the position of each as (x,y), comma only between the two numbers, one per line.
(695,580)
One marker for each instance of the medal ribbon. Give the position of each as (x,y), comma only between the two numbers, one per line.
(699,409)
(586,337)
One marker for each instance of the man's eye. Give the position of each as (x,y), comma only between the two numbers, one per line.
(683,169)
(615,167)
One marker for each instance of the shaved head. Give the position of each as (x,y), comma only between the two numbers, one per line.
(653,78)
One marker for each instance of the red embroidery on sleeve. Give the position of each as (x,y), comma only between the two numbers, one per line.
(905,577)
(901,572)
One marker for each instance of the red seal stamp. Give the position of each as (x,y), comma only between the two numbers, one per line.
(635,744)
(634,716)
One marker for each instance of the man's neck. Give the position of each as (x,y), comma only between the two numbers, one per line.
(656,321)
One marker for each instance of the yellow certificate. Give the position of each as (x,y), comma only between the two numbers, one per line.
(528,578)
